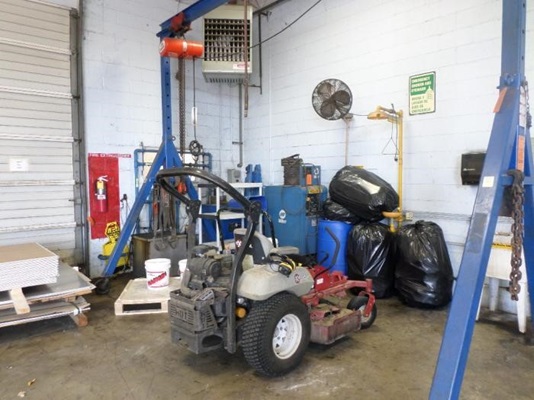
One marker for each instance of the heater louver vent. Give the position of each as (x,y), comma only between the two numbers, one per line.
(224,44)
(224,40)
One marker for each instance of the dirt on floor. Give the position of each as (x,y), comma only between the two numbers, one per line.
(132,357)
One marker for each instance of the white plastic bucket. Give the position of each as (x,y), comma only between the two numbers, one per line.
(157,272)
(182,265)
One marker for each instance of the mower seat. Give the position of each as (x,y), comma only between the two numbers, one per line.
(261,247)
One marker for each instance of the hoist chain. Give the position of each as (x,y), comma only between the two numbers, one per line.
(518,198)
(517,231)
(181,104)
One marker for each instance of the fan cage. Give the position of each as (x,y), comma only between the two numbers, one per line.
(332,99)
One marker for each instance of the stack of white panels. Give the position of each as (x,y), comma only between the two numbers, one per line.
(24,265)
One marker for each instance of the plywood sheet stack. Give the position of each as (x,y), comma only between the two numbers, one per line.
(25,265)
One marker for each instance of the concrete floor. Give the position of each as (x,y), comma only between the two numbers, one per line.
(131,357)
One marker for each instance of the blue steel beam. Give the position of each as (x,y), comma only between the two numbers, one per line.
(501,156)
(166,157)
(528,238)
(181,22)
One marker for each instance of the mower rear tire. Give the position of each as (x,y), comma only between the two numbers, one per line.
(276,334)
(359,303)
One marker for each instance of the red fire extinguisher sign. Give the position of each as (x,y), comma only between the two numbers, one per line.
(103,192)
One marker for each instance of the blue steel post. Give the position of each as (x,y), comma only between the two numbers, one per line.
(163,156)
(166,157)
(528,239)
(500,157)
(171,159)
(194,11)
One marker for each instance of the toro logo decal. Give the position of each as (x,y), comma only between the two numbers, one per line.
(157,278)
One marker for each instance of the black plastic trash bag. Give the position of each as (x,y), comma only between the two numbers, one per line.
(363,193)
(336,212)
(371,255)
(423,274)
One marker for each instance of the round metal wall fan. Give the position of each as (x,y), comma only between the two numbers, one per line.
(332,99)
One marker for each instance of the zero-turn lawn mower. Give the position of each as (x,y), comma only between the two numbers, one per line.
(271,307)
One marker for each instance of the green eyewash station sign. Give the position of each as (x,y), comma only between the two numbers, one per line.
(423,93)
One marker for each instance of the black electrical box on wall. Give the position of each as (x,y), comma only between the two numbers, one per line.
(472,164)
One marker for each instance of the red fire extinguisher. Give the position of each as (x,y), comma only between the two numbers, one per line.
(101,193)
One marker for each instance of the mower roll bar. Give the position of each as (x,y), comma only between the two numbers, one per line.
(162,176)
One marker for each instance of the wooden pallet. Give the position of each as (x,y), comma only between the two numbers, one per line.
(42,302)
(137,298)
(47,310)
(69,286)
(19,301)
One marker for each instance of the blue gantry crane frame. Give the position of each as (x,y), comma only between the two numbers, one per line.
(510,128)
(509,145)
(167,155)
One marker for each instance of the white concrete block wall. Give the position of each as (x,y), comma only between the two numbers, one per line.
(374,47)
(121,84)
(122,91)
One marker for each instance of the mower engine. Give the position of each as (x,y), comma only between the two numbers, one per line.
(208,271)
(198,307)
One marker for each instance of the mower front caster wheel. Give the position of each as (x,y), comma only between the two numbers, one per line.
(276,334)
(359,303)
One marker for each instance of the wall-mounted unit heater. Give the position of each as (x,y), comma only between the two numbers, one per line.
(225,42)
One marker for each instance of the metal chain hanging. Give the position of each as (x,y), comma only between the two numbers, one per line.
(181,104)
(518,199)
(246,44)
(194,116)
(195,148)
(517,232)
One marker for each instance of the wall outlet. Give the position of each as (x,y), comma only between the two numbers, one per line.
(408,216)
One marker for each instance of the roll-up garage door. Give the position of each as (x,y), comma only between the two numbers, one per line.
(39,182)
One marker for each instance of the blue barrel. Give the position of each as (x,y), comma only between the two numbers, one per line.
(332,245)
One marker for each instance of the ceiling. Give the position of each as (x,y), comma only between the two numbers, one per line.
(257,4)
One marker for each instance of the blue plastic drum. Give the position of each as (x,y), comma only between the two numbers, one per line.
(332,245)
